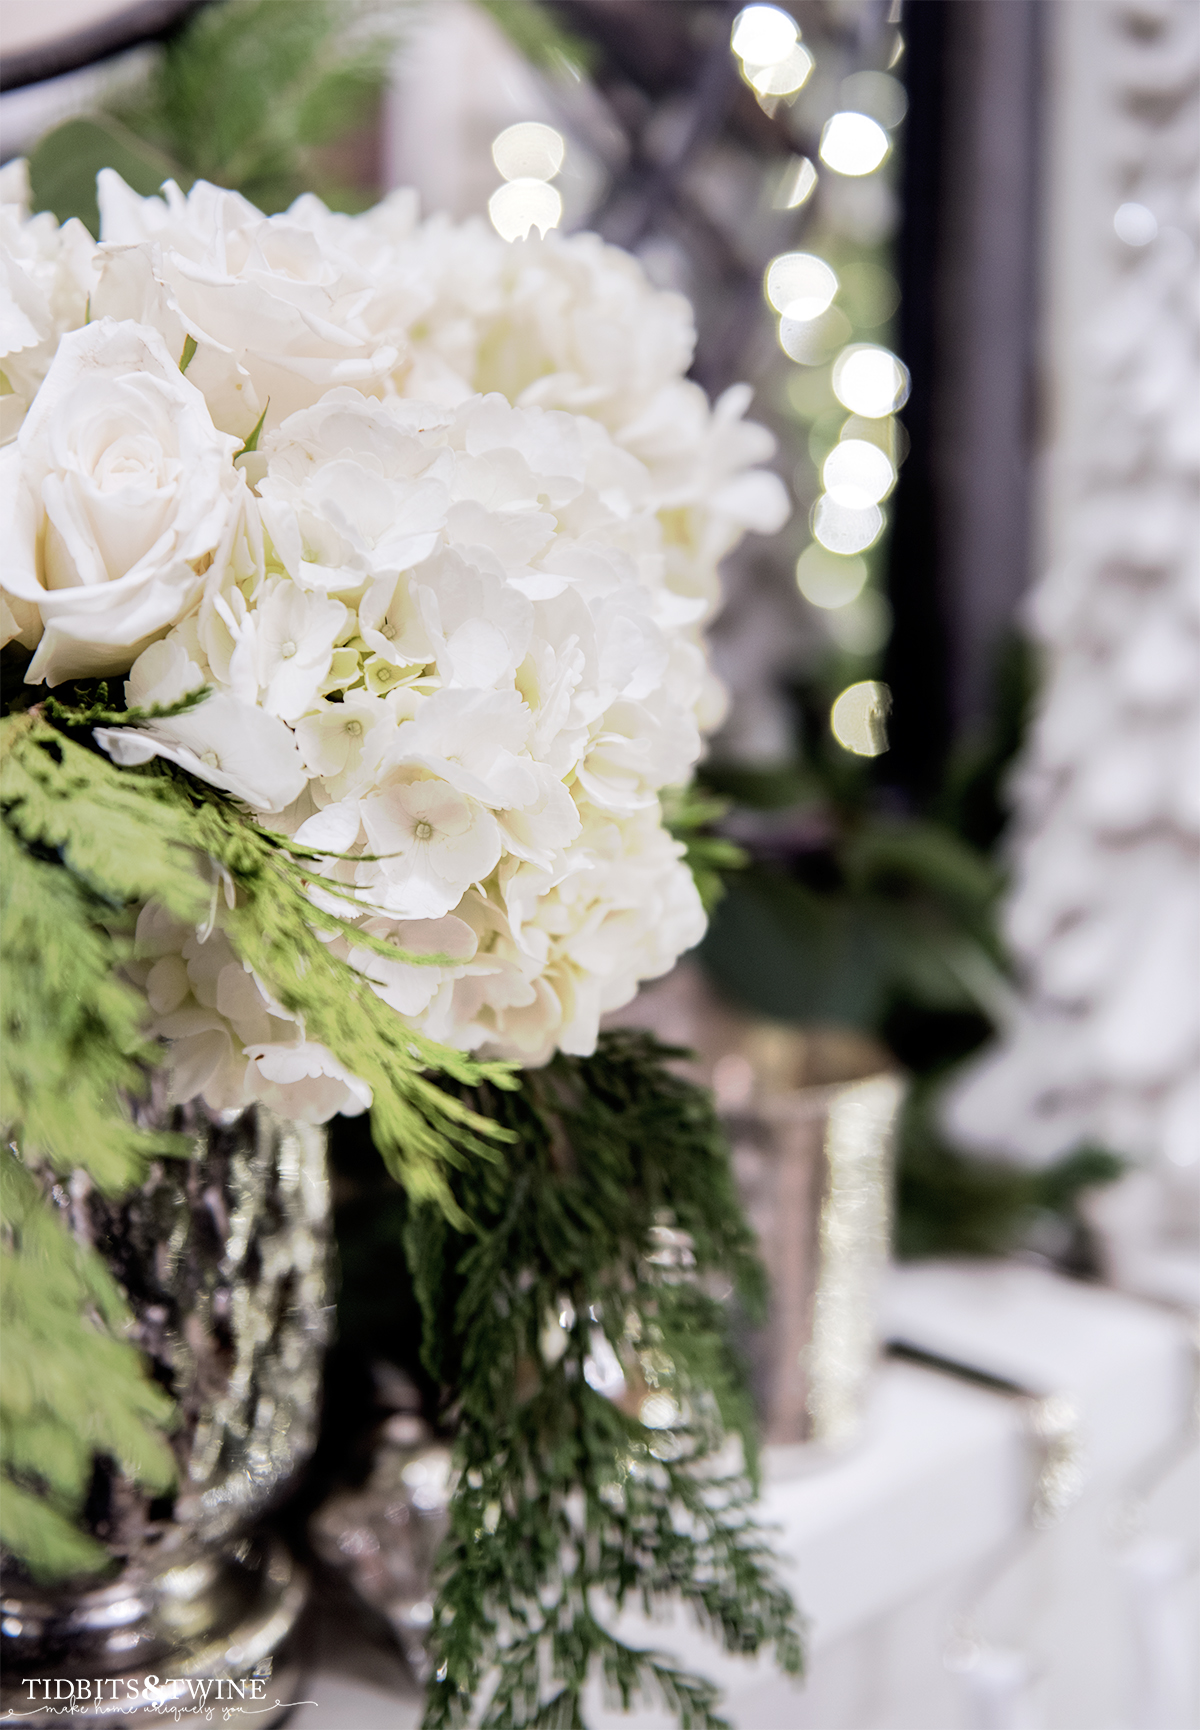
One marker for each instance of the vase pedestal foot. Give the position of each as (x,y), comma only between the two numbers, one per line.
(207,1633)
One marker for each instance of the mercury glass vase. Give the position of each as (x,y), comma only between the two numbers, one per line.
(224,1258)
(811,1115)
(814,1167)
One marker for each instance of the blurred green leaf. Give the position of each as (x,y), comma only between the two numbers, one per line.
(249,88)
(64,164)
(772,788)
(918,855)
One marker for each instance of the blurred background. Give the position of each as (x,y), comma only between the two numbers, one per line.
(950,246)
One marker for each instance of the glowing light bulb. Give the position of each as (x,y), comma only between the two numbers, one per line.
(869,380)
(762,35)
(529,151)
(520,205)
(876,94)
(863,626)
(858,718)
(800,285)
(853,144)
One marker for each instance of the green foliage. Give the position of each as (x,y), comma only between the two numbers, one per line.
(950,1205)
(134,836)
(565,1498)
(64,163)
(247,95)
(690,814)
(882,911)
(250,89)
(83,844)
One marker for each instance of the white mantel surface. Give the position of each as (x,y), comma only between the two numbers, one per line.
(883,1547)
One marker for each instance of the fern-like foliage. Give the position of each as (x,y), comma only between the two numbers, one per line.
(83,844)
(568,1504)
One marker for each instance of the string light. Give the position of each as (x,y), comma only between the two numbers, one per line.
(528,155)
(858,718)
(853,144)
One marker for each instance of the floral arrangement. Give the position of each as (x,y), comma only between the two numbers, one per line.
(355,576)
(435,522)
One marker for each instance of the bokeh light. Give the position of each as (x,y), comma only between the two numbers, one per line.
(869,380)
(827,580)
(1135,224)
(812,341)
(529,151)
(520,205)
(877,94)
(799,179)
(762,35)
(800,285)
(782,77)
(853,144)
(870,294)
(858,718)
(845,528)
(858,473)
(863,626)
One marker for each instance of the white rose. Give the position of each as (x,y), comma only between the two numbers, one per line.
(45,274)
(118,495)
(276,316)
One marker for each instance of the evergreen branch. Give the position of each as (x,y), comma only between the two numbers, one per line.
(128,837)
(565,1499)
(98,714)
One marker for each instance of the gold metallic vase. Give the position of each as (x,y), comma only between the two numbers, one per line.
(224,1259)
(811,1114)
(815,1172)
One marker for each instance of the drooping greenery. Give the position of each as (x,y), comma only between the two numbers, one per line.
(153,835)
(82,846)
(613,1209)
(573,1501)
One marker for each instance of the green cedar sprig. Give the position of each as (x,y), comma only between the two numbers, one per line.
(83,844)
(137,836)
(565,1499)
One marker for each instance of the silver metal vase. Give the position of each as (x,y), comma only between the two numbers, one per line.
(225,1261)
(811,1114)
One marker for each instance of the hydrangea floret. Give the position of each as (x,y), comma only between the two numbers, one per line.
(436,522)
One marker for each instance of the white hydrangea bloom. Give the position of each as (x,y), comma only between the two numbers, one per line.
(441,311)
(451,626)
(458,665)
(230,1044)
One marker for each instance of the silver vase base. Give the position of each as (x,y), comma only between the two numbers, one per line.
(204,1638)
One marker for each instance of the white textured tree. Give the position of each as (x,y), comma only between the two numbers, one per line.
(1104,911)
